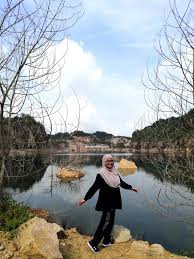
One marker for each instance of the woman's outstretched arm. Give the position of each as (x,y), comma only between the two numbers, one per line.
(93,189)
(127,186)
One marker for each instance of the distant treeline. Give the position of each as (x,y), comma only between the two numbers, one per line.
(174,130)
(98,136)
(27,133)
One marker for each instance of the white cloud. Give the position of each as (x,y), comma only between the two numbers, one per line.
(107,100)
(79,109)
(79,65)
(104,101)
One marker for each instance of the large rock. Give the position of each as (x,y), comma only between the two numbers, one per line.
(126,167)
(121,234)
(140,246)
(156,249)
(69,174)
(38,239)
(141,250)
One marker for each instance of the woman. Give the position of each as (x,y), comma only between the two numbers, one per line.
(108,182)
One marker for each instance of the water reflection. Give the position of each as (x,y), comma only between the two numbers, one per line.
(23,172)
(85,159)
(76,160)
(127,171)
(175,170)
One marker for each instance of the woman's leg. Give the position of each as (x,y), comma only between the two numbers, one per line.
(109,227)
(101,227)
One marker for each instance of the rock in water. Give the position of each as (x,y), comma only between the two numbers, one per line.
(69,174)
(126,167)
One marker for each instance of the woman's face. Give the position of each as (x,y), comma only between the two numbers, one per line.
(109,163)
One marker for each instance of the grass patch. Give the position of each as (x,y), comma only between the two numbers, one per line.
(12,214)
(189,253)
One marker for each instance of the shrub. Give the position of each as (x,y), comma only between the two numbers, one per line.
(12,214)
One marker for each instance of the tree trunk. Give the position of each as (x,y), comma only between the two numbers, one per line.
(2,172)
(193,76)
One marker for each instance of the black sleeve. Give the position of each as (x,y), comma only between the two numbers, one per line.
(93,189)
(124,185)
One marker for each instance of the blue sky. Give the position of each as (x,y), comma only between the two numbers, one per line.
(108,51)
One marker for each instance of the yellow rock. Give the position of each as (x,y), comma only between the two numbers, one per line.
(69,174)
(124,163)
(126,167)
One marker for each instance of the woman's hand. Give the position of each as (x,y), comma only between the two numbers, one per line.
(135,189)
(81,202)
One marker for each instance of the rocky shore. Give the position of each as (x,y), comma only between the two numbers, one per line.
(39,239)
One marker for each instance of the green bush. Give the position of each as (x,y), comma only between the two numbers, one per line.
(12,214)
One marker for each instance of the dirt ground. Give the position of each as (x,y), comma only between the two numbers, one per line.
(76,247)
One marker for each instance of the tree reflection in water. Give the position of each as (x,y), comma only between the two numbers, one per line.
(177,175)
(23,171)
(175,170)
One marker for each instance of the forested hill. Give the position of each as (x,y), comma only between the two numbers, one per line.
(97,137)
(26,132)
(166,133)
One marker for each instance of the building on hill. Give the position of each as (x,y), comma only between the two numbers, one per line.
(97,148)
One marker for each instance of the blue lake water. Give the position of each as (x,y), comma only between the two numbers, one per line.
(148,214)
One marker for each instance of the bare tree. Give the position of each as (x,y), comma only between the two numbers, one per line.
(29,67)
(170,85)
(169,91)
(172,80)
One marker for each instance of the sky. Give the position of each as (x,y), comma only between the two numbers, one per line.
(108,51)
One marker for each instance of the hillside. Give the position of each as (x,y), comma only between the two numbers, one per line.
(25,132)
(174,133)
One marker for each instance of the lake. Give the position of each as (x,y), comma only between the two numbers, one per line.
(158,213)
